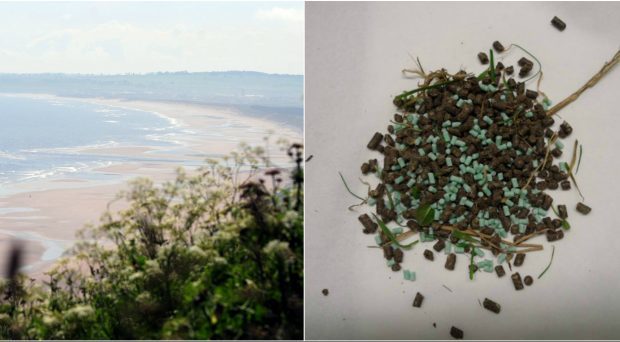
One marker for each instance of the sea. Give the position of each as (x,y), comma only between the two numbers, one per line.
(43,138)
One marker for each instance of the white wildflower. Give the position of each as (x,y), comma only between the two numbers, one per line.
(275,246)
(197,252)
(80,311)
(144,297)
(136,276)
(220,260)
(4,318)
(50,320)
(290,218)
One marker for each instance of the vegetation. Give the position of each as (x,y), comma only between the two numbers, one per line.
(215,255)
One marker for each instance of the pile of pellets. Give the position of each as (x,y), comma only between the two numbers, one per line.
(466,164)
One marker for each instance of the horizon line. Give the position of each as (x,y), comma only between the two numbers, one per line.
(145,73)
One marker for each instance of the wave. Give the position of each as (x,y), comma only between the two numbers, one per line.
(61,170)
(72,149)
(7,155)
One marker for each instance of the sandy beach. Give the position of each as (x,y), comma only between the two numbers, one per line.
(46,215)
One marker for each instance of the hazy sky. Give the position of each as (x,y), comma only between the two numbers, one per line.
(117,37)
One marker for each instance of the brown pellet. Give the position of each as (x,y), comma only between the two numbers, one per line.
(398,255)
(554,235)
(509,71)
(524,61)
(439,246)
(531,94)
(365,168)
(525,70)
(565,130)
(484,59)
(429,255)
(417,301)
(450,261)
(562,212)
(370,227)
(375,141)
(519,259)
(325,292)
(516,281)
(528,280)
(558,23)
(456,333)
(396,267)
(565,184)
(582,208)
(499,269)
(388,252)
(498,46)
(491,305)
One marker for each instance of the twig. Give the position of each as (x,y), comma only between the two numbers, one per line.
(591,83)
(535,172)
(572,166)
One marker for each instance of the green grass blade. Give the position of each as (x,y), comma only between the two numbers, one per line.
(462,236)
(391,236)
(492,66)
(411,92)
(347,186)
(579,162)
(471,263)
(550,261)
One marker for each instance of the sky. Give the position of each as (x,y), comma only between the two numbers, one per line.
(141,37)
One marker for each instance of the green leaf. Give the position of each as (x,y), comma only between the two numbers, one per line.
(425,215)
(391,236)
(141,260)
(415,192)
(565,225)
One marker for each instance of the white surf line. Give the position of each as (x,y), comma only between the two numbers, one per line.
(54,248)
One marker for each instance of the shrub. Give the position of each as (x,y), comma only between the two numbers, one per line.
(217,254)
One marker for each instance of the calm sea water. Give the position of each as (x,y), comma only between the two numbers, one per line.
(40,138)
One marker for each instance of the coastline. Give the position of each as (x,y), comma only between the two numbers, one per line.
(59,207)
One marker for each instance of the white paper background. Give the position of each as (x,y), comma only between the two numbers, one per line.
(354,54)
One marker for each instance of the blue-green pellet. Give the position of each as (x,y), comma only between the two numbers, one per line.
(378,239)
(515,183)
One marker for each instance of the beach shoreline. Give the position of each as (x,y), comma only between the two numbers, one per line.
(62,206)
